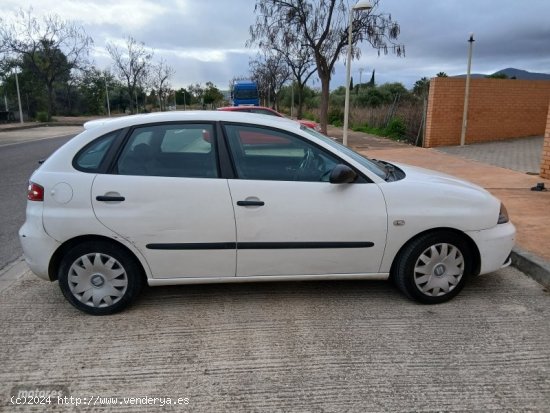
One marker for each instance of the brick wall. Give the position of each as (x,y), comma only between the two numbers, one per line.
(498,109)
(545,161)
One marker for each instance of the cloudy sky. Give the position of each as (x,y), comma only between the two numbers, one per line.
(205,40)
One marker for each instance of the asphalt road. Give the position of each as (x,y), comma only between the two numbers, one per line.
(17,162)
(285,347)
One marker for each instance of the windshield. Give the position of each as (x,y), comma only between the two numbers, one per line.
(246,94)
(364,161)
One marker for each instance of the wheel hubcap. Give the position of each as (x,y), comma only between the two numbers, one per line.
(97,280)
(439,269)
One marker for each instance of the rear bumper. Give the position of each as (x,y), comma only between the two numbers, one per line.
(495,245)
(38,247)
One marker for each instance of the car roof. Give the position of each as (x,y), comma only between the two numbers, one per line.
(108,124)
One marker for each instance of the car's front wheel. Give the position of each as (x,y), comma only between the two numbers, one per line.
(433,268)
(99,278)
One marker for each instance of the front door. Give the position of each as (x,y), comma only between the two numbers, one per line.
(290,219)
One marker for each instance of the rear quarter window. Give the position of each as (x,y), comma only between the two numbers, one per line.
(90,158)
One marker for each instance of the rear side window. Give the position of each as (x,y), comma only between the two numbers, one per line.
(90,158)
(176,150)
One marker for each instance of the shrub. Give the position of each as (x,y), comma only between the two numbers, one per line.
(42,116)
(335,114)
(396,128)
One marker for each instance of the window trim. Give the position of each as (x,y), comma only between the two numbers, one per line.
(361,177)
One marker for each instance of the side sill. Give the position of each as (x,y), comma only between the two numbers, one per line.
(154,282)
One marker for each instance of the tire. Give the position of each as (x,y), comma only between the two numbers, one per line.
(100,278)
(433,268)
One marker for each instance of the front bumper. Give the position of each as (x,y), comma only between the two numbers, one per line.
(495,245)
(38,247)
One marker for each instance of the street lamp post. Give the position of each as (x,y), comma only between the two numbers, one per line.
(18,97)
(467,92)
(107,96)
(360,5)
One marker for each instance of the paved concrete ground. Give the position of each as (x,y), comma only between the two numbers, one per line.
(521,155)
(325,346)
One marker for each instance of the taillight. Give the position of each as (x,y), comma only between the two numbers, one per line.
(35,192)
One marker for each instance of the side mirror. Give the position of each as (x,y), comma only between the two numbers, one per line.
(342,174)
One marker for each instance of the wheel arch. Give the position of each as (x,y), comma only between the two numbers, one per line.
(474,250)
(55,261)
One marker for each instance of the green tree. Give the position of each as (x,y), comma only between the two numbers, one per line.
(183,97)
(93,88)
(51,48)
(421,87)
(371,81)
(390,90)
(212,94)
(441,74)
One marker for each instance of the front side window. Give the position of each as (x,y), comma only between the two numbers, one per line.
(366,162)
(178,150)
(267,154)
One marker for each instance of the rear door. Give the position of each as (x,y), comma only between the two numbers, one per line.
(165,197)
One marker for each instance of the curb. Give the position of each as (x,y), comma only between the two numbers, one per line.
(532,265)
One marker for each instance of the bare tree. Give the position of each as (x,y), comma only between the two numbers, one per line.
(270,72)
(161,73)
(322,27)
(50,47)
(132,65)
(299,60)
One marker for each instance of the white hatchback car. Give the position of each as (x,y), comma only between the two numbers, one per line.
(215,197)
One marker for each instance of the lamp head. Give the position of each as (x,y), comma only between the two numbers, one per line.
(362,5)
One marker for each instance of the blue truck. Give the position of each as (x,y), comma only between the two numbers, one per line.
(245,93)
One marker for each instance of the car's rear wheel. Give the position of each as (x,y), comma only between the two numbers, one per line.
(433,268)
(99,278)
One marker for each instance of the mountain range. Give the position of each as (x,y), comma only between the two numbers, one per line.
(517,73)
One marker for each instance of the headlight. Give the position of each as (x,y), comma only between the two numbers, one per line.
(503,215)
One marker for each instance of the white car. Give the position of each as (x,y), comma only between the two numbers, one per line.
(216,197)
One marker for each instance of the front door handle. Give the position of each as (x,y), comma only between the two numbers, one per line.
(109,198)
(250,203)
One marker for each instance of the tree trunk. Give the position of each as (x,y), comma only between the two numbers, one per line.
(323,110)
(50,101)
(300,100)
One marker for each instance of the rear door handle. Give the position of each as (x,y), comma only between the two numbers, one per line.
(107,198)
(250,203)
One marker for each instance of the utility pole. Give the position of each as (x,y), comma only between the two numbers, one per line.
(467,92)
(18,97)
(107,95)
